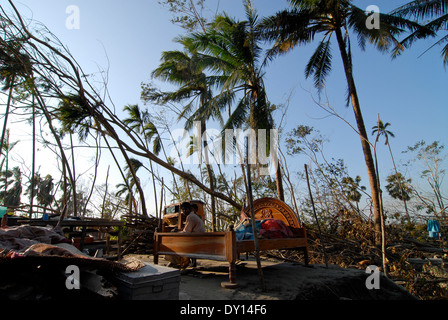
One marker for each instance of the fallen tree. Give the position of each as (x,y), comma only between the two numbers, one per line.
(54,74)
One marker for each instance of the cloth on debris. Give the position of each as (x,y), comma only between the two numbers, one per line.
(433,228)
(177,261)
(30,242)
(266,229)
(20,238)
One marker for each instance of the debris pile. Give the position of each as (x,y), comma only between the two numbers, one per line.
(417,263)
(40,263)
(140,234)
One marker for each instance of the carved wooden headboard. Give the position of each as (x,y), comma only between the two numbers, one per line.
(275,209)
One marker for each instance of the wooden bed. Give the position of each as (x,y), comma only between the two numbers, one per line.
(224,245)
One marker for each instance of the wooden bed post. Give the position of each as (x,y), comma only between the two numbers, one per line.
(231,255)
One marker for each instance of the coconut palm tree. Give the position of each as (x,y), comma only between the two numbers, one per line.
(139,121)
(14,65)
(43,189)
(351,188)
(11,189)
(434,11)
(381,130)
(335,19)
(186,69)
(129,184)
(399,188)
(237,46)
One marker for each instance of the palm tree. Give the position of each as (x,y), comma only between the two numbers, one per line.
(129,184)
(237,46)
(10,196)
(351,188)
(13,65)
(381,130)
(434,11)
(399,188)
(329,18)
(187,70)
(45,196)
(140,122)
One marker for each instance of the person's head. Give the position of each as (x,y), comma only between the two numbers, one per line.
(185,208)
(194,207)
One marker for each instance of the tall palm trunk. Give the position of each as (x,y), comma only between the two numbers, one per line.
(33,164)
(75,202)
(211,177)
(374,189)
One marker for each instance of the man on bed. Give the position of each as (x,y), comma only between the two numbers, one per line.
(193,222)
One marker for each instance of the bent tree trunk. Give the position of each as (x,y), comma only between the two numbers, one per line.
(374,189)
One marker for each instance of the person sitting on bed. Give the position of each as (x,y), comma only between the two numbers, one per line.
(193,222)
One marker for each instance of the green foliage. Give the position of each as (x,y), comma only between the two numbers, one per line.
(14,63)
(399,187)
(43,189)
(381,130)
(308,18)
(75,115)
(11,189)
(351,188)
(434,15)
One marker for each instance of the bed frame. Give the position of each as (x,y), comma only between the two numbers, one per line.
(223,246)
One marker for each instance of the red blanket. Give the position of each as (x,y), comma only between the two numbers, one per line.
(274,229)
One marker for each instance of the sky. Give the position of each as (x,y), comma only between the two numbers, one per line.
(126,38)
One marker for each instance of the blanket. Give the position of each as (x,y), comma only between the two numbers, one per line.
(265,228)
(20,238)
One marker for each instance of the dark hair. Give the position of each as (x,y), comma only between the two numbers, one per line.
(194,206)
(185,205)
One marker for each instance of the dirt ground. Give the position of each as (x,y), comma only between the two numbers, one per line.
(283,281)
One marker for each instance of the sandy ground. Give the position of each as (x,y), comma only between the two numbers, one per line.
(283,281)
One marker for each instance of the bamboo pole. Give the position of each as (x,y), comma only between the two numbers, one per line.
(252,215)
(315,216)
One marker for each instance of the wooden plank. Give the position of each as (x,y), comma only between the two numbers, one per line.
(74,223)
(200,245)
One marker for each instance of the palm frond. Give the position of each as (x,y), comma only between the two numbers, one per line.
(384,37)
(421,9)
(319,64)
(239,115)
(157,145)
